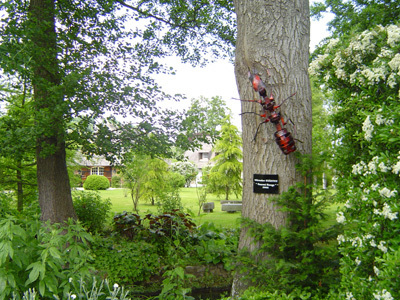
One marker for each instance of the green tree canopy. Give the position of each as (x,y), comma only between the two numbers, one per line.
(87,62)
(204,118)
(224,178)
(357,15)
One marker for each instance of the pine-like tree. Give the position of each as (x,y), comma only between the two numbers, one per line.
(225,177)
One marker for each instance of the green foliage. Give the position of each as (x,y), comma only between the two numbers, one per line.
(214,245)
(6,200)
(44,257)
(203,119)
(167,226)
(254,294)
(361,73)
(91,210)
(116,181)
(17,162)
(96,182)
(299,255)
(124,261)
(146,178)
(187,169)
(176,180)
(224,178)
(164,29)
(170,202)
(201,197)
(357,15)
(173,285)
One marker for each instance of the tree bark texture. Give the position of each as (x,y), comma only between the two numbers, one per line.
(272,38)
(52,175)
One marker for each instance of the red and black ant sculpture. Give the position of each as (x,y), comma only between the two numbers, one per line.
(269,113)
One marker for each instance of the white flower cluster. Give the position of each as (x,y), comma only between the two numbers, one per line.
(396,166)
(394,64)
(372,167)
(382,246)
(386,212)
(385,192)
(340,218)
(368,128)
(317,63)
(380,120)
(384,69)
(358,169)
(393,33)
(383,295)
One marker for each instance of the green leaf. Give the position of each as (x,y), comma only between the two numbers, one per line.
(180,272)
(37,269)
(54,252)
(42,288)
(3,285)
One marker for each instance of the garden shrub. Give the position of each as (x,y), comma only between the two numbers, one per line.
(116,181)
(96,182)
(170,201)
(214,245)
(41,256)
(172,225)
(361,74)
(92,210)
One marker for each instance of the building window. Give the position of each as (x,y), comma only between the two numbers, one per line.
(204,156)
(97,171)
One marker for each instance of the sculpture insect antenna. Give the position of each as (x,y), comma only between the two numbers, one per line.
(270,113)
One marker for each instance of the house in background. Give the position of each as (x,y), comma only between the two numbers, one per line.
(201,158)
(96,166)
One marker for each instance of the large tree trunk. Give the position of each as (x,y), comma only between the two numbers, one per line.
(273,37)
(53,183)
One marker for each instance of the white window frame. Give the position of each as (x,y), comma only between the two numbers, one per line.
(97,171)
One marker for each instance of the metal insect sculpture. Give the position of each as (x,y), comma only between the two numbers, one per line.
(270,113)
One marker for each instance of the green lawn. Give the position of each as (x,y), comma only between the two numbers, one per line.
(122,201)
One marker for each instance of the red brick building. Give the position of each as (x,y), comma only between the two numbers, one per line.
(96,166)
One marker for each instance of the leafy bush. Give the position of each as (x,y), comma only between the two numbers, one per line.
(42,257)
(214,245)
(96,182)
(116,181)
(92,211)
(172,225)
(360,73)
(170,201)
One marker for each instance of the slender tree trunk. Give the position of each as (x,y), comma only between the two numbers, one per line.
(272,38)
(53,183)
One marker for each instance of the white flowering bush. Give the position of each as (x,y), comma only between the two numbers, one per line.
(363,74)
